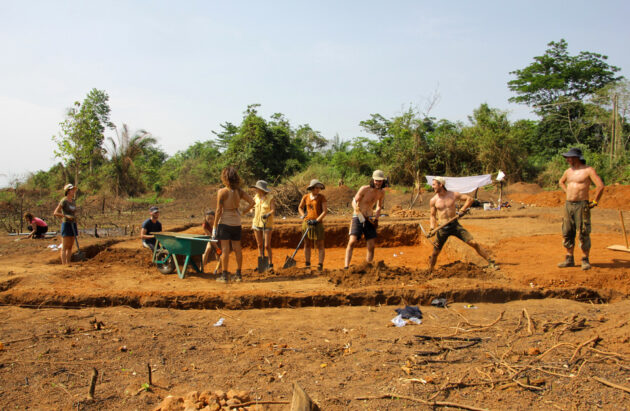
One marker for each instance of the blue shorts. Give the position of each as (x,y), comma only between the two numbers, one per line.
(67,229)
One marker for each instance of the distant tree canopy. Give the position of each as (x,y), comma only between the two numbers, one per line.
(580,99)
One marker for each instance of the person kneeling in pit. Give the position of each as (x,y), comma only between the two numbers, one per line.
(443,210)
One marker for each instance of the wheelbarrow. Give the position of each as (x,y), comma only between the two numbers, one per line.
(169,245)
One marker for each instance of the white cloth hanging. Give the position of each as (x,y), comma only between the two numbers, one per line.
(464,184)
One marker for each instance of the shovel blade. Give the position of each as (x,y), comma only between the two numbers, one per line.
(289,262)
(80,256)
(263,264)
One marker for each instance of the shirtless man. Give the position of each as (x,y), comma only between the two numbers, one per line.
(575,182)
(442,210)
(363,223)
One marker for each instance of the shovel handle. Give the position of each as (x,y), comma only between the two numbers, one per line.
(623,228)
(301,240)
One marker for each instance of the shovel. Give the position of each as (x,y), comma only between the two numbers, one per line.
(263,262)
(79,255)
(290,262)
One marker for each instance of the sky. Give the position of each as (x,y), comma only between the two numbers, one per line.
(181,69)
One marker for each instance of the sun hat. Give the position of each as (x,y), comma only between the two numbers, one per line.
(574,152)
(154,209)
(315,182)
(440,180)
(261,185)
(378,175)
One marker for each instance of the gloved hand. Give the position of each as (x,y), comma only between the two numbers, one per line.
(266,215)
(361,218)
(311,222)
(462,213)
(592,204)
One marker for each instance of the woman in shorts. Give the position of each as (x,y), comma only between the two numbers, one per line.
(313,209)
(66,210)
(227,222)
(262,224)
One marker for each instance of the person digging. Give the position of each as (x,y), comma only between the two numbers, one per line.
(363,222)
(442,210)
(575,182)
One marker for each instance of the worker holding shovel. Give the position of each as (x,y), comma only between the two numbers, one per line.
(443,210)
(262,224)
(313,209)
(363,222)
(66,210)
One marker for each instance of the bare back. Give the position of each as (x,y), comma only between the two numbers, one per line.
(230,200)
(576,182)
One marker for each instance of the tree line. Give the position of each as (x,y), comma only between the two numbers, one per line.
(579,100)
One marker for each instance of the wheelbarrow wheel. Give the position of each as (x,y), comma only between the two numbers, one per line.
(169,266)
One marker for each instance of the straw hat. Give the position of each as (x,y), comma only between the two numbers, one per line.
(315,182)
(378,175)
(261,185)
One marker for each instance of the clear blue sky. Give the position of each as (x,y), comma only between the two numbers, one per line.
(179,69)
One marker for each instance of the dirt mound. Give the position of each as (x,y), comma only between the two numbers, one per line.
(615,196)
(399,212)
(523,188)
(137,258)
(380,274)
(339,198)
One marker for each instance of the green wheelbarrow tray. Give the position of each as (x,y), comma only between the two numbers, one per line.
(173,244)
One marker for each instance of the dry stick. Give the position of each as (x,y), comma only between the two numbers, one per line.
(553,348)
(247,404)
(529,321)
(611,384)
(431,403)
(480,325)
(613,354)
(93,383)
(577,350)
(150,377)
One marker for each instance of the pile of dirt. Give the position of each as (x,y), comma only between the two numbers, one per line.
(136,258)
(615,196)
(399,212)
(523,188)
(379,273)
(211,400)
(339,198)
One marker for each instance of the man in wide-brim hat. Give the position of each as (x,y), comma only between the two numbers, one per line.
(365,217)
(576,182)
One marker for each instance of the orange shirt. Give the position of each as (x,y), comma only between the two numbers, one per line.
(314,207)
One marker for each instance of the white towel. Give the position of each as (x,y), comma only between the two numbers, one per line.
(464,184)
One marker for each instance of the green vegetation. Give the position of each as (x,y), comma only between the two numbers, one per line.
(579,99)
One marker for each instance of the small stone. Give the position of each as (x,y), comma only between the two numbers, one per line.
(243,395)
(232,402)
(231,394)
(533,351)
(220,394)
(192,396)
(122,348)
(171,403)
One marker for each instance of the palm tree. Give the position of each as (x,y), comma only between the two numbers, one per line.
(123,172)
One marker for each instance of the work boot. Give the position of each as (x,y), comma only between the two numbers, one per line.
(238,277)
(320,267)
(568,262)
(307,264)
(586,265)
(223,278)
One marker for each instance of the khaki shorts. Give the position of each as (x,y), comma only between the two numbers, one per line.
(576,218)
(316,233)
(453,229)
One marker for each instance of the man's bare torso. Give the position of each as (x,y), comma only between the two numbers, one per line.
(578,182)
(369,196)
(445,205)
